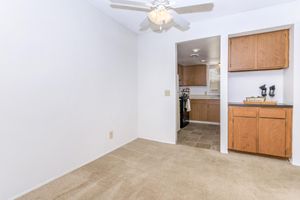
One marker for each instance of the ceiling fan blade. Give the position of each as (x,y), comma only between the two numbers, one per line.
(195,8)
(179,21)
(130,8)
(145,25)
(131,3)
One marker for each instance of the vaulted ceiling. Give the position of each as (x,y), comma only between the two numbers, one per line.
(132,19)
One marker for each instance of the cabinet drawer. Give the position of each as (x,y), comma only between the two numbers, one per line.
(272,113)
(244,112)
(213,101)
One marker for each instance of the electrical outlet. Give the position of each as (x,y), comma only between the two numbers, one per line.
(111,135)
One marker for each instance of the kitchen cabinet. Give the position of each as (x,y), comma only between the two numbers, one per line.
(207,110)
(243,53)
(180,74)
(261,130)
(272,136)
(245,133)
(273,50)
(265,51)
(213,111)
(199,110)
(192,75)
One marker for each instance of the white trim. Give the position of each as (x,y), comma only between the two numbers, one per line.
(295,163)
(266,30)
(204,122)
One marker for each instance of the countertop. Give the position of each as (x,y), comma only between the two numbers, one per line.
(204,97)
(261,105)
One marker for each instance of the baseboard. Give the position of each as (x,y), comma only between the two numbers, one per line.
(203,122)
(295,163)
(156,140)
(70,170)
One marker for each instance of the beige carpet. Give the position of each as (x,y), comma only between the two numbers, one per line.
(148,170)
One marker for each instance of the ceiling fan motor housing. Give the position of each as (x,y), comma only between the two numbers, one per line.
(157,3)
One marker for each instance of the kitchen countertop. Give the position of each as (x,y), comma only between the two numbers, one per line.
(204,97)
(261,105)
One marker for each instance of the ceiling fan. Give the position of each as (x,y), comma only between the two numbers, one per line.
(162,14)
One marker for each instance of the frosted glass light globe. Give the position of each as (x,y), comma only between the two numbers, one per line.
(160,16)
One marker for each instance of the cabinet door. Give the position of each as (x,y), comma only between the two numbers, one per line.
(272,137)
(180,74)
(245,134)
(199,110)
(213,113)
(243,53)
(194,75)
(273,50)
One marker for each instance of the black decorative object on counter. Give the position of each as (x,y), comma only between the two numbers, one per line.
(263,90)
(272,91)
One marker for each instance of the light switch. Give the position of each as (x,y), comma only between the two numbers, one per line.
(167,93)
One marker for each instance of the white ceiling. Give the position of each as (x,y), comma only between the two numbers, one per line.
(132,19)
(209,52)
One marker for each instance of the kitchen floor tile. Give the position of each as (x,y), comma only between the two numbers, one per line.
(200,135)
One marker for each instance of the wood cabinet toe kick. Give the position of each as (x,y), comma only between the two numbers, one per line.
(261,130)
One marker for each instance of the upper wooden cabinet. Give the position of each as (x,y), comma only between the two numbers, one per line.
(273,50)
(265,51)
(243,53)
(192,75)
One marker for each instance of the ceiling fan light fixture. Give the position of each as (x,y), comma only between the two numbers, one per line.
(194,55)
(160,16)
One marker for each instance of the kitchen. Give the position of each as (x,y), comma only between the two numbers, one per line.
(199,93)
(260,105)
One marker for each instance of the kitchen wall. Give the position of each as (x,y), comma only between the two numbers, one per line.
(157,70)
(246,84)
(68,76)
(197,90)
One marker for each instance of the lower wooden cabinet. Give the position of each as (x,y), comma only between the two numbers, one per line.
(213,113)
(207,110)
(199,110)
(260,130)
(245,134)
(272,134)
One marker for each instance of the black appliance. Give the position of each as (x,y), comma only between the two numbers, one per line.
(184,115)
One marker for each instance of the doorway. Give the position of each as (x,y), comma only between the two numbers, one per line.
(198,92)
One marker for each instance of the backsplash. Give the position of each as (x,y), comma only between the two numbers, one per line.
(201,90)
(246,84)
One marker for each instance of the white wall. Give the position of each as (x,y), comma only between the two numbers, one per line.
(296,97)
(68,75)
(288,81)
(245,84)
(157,68)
